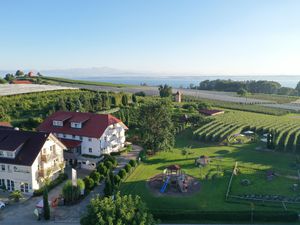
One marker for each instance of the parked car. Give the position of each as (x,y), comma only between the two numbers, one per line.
(2,205)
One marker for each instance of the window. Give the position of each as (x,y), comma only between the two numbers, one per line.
(1,153)
(90,139)
(24,187)
(9,154)
(57,123)
(10,185)
(73,136)
(80,138)
(90,150)
(2,182)
(64,135)
(3,167)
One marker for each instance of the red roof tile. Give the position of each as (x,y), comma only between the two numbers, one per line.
(94,126)
(70,143)
(5,124)
(21,82)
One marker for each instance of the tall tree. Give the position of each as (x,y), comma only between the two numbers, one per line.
(46,207)
(165,91)
(19,73)
(157,128)
(116,211)
(9,77)
(124,99)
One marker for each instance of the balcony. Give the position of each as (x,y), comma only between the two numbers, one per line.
(48,157)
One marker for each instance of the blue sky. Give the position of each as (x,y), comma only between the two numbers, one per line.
(183,36)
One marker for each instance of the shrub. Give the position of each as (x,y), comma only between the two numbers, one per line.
(127,167)
(95,176)
(102,169)
(16,195)
(89,183)
(80,184)
(122,173)
(101,178)
(117,180)
(108,164)
(61,178)
(132,163)
(72,193)
(108,189)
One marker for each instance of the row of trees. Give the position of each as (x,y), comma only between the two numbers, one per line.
(252,86)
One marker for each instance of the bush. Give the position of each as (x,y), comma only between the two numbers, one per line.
(260,216)
(132,163)
(61,178)
(102,169)
(72,193)
(101,178)
(80,184)
(95,176)
(89,183)
(127,168)
(122,173)
(108,164)
(108,189)
(117,180)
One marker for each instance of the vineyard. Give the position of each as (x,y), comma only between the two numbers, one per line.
(286,128)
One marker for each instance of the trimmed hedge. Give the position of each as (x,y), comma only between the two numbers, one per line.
(61,178)
(230,216)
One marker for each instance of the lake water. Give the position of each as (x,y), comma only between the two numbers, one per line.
(185,81)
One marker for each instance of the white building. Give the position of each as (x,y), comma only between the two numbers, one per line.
(86,134)
(28,158)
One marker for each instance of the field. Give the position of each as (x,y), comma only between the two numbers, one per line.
(211,196)
(286,128)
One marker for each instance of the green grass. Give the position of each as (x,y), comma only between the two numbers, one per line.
(84,82)
(211,197)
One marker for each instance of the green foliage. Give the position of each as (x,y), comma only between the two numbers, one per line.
(242,92)
(156,126)
(72,193)
(127,167)
(124,100)
(117,180)
(122,173)
(61,178)
(165,91)
(46,207)
(109,187)
(95,176)
(89,183)
(109,211)
(140,93)
(108,164)
(132,163)
(102,169)
(16,195)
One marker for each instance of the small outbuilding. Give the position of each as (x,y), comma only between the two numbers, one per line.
(203,160)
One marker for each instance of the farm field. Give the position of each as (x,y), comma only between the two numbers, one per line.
(286,128)
(13,89)
(213,178)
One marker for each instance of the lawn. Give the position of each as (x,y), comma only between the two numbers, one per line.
(211,196)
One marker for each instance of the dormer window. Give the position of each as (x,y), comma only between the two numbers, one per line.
(58,123)
(76,125)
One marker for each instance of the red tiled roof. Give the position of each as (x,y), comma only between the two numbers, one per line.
(70,143)
(210,112)
(21,82)
(94,126)
(5,124)
(173,167)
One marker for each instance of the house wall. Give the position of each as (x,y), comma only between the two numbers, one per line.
(30,174)
(112,140)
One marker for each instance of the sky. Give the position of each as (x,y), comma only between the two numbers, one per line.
(230,37)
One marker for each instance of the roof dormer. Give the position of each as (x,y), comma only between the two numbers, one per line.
(59,120)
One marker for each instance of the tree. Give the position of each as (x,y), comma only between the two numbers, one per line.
(108,189)
(134,100)
(298,88)
(124,99)
(242,92)
(19,73)
(2,81)
(9,77)
(46,207)
(165,91)
(119,210)
(156,126)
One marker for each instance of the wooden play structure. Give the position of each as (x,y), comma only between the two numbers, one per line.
(175,176)
(203,160)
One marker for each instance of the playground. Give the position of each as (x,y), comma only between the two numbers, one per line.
(209,167)
(173,182)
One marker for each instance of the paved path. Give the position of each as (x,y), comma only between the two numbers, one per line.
(23,213)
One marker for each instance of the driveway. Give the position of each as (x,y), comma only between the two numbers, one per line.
(23,213)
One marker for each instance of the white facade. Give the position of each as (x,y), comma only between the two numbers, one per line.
(112,140)
(47,165)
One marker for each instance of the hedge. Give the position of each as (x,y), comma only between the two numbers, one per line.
(61,178)
(228,216)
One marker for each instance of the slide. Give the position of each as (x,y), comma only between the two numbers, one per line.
(162,190)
